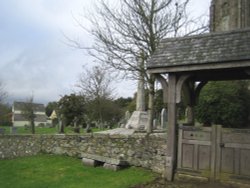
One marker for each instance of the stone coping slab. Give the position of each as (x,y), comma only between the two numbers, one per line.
(108,160)
(120,131)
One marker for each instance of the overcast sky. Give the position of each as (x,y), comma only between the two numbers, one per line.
(34,58)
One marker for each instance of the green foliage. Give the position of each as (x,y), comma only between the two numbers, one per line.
(103,110)
(72,106)
(5,115)
(159,105)
(132,105)
(226,103)
(125,104)
(65,172)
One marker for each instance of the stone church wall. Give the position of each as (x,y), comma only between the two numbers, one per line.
(147,151)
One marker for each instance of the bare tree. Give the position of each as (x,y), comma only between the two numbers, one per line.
(95,83)
(95,86)
(3,93)
(28,113)
(130,33)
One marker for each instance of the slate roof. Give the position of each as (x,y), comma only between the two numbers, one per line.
(202,49)
(36,107)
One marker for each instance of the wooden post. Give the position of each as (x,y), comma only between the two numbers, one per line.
(218,152)
(213,152)
(171,139)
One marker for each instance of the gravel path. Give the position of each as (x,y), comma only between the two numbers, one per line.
(160,183)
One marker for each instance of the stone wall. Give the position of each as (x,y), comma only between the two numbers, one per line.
(226,15)
(139,149)
(19,145)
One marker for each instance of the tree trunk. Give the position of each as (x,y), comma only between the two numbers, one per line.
(140,98)
(61,125)
(171,151)
(32,124)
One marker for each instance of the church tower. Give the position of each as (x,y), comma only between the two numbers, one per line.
(228,15)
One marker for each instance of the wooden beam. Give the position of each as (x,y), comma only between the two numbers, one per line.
(179,85)
(164,85)
(199,67)
(171,155)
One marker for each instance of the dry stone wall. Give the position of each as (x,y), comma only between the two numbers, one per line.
(138,150)
(19,145)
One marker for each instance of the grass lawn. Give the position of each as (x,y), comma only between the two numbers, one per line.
(52,171)
(45,130)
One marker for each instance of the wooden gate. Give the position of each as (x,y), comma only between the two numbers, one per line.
(214,152)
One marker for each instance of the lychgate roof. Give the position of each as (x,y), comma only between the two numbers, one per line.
(195,52)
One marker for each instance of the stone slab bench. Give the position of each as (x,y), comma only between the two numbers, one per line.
(107,162)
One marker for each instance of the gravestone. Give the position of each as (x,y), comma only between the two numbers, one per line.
(13,130)
(155,123)
(88,129)
(76,127)
(61,125)
(164,118)
(2,131)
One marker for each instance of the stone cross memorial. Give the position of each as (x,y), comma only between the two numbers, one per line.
(139,118)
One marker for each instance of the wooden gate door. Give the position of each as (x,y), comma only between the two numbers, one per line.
(214,152)
(195,146)
(233,154)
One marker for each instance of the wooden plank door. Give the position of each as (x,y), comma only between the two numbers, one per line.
(195,146)
(233,154)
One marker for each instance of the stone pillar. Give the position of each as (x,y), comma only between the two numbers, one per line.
(139,118)
(140,97)
(171,156)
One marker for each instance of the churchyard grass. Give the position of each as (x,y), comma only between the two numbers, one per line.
(65,172)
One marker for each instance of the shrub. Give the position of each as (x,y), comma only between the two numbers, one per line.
(225,102)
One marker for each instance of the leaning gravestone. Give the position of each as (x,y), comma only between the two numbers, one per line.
(164,118)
